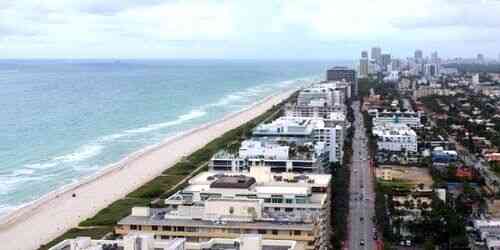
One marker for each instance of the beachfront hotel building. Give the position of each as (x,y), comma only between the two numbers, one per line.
(327,132)
(148,242)
(292,155)
(395,137)
(277,206)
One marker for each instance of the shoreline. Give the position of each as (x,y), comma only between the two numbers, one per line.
(57,211)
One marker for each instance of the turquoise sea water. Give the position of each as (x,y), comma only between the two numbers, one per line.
(61,120)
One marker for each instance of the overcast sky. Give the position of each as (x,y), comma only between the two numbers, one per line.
(329,29)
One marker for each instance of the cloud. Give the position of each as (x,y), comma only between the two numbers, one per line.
(111,7)
(259,28)
(469,14)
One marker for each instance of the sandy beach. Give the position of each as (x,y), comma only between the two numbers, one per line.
(55,213)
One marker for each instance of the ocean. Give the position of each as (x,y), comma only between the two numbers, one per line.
(61,120)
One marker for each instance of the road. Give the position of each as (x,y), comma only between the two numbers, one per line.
(362,196)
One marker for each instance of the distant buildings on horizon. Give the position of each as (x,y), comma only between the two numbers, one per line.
(379,61)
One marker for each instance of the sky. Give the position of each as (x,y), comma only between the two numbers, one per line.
(251,29)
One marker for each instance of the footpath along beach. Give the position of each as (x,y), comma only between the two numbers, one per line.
(43,220)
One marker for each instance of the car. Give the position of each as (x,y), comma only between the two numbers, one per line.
(361,218)
(408,243)
(362,243)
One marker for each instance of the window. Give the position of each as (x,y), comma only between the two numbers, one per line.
(288,209)
(261,231)
(310,243)
(164,237)
(166,228)
(180,229)
(300,200)
(289,201)
(277,209)
(296,232)
(267,200)
(275,232)
(133,227)
(154,228)
(277,198)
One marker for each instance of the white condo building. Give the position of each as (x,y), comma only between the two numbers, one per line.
(278,155)
(410,118)
(284,206)
(395,137)
(319,130)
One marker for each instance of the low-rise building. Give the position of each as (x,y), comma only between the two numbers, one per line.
(487,228)
(413,201)
(410,118)
(439,155)
(395,137)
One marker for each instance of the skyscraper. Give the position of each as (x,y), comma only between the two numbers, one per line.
(363,67)
(419,55)
(364,54)
(376,53)
(363,64)
(344,73)
(434,57)
(480,58)
(396,64)
(385,60)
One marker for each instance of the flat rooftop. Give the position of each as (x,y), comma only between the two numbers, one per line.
(279,179)
(159,221)
(237,181)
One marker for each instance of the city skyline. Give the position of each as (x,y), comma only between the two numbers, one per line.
(254,30)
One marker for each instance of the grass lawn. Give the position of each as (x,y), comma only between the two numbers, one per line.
(113,213)
(156,187)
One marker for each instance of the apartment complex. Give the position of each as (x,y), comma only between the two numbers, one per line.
(395,137)
(327,131)
(278,206)
(410,118)
(298,155)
